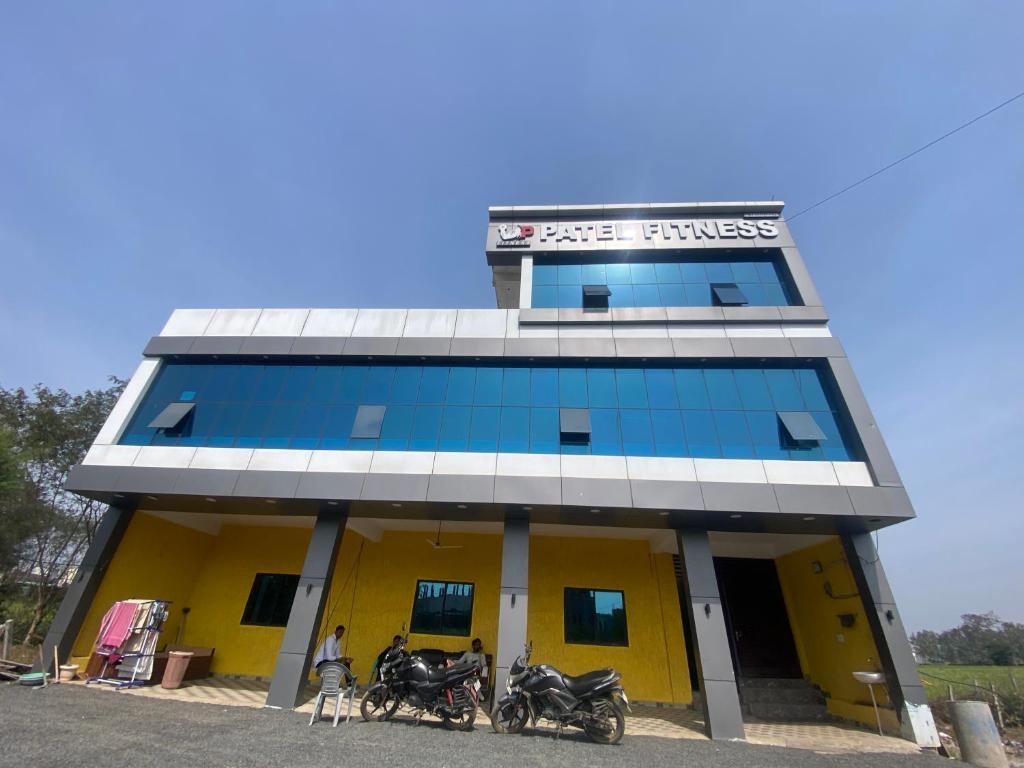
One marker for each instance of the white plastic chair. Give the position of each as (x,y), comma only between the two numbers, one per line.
(331,675)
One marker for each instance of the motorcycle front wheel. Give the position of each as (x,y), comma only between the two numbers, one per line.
(378,705)
(514,723)
(463,723)
(610,725)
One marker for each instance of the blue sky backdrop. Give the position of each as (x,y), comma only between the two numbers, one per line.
(161,155)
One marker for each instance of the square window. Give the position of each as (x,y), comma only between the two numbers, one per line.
(618,273)
(693,273)
(545,296)
(596,296)
(574,425)
(369,419)
(642,273)
(570,274)
(544,436)
(646,295)
(622,295)
(728,294)
(672,295)
(801,427)
(270,600)
(442,608)
(569,296)
(173,416)
(698,295)
(595,274)
(719,272)
(595,617)
(667,273)
(545,274)
(745,272)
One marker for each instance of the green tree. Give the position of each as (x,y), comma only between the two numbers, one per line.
(48,432)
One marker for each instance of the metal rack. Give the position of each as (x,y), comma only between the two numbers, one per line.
(145,638)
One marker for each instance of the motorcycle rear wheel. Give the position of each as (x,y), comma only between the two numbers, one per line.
(514,724)
(376,705)
(616,724)
(465,723)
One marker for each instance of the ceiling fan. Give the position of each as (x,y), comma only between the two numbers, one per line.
(436,542)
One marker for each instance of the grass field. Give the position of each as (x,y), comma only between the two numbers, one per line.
(964,677)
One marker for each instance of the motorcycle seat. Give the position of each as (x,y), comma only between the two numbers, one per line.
(439,674)
(588,681)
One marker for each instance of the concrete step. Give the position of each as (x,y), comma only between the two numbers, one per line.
(773,682)
(793,713)
(807,695)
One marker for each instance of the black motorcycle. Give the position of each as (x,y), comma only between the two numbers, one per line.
(590,701)
(449,692)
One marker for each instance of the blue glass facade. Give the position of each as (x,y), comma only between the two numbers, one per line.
(678,411)
(677,283)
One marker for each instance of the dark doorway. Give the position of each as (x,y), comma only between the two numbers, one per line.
(756,618)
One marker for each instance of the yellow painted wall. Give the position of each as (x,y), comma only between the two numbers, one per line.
(156,559)
(653,666)
(830,653)
(374,600)
(222,588)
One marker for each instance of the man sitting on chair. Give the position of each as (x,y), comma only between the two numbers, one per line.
(330,650)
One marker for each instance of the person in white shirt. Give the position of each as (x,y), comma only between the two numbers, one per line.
(475,656)
(330,649)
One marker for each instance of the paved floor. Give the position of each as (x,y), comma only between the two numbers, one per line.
(649,721)
(73,725)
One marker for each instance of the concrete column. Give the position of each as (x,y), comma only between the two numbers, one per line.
(515,579)
(78,599)
(706,623)
(895,656)
(301,635)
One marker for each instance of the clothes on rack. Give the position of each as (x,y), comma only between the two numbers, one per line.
(128,638)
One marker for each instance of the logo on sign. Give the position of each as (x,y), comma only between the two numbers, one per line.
(514,235)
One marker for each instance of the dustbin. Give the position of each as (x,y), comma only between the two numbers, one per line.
(174,673)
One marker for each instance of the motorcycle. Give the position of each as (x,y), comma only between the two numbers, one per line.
(592,701)
(450,692)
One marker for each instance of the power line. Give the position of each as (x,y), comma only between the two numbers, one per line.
(893,164)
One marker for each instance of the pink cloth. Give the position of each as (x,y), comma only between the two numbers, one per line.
(117,624)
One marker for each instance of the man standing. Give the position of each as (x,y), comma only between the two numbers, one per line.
(330,649)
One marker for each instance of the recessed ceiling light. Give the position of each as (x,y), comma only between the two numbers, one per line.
(461,506)
(118,495)
(527,509)
(332,503)
(736,516)
(271,501)
(395,504)
(152,498)
(595,511)
(663,514)
(809,518)
(211,499)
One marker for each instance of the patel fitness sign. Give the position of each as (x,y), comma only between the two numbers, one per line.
(632,234)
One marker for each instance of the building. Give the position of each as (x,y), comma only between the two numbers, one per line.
(654,430)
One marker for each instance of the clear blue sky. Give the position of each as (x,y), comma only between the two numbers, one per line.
(161,155)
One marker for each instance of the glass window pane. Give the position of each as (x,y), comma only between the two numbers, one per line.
(701,436)
(811,389)
(353,379)
(308,426)
(483,434)
(733,435)
(668,433)
(515,389)
(461,383)
(722,390)
(693,273)
(646,295)
(698,294)
(405,389)
(222,435)
(570,296)
(455,429)
(774,296)
(785,392)
(394,431)
(642,273)
(601,388)
(661,388)
(631,388)
(719,272)
(545,274)
(378,384)
(753,390)
(299,382)
(605,439)
(338,427)
(326,382)
(622,295)
(515,430)
(433,385)
(218,385)
(691,389)
(243,385)
(672,295)
(618,273)
(832,446)
(569,274)
(253,426)
(764,430)
(594,274)
(488,386)
(544,387)
(766,272)
(754,294)
(595,617)
(544,436)
(426,428)
(545,296)
(271,383)
(667,273)
(745,272)
(637,438)
(572,388)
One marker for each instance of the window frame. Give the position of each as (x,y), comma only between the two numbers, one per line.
(246,619)
(625,615)
(446,582)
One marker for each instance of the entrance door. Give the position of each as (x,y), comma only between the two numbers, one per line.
(755,612)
